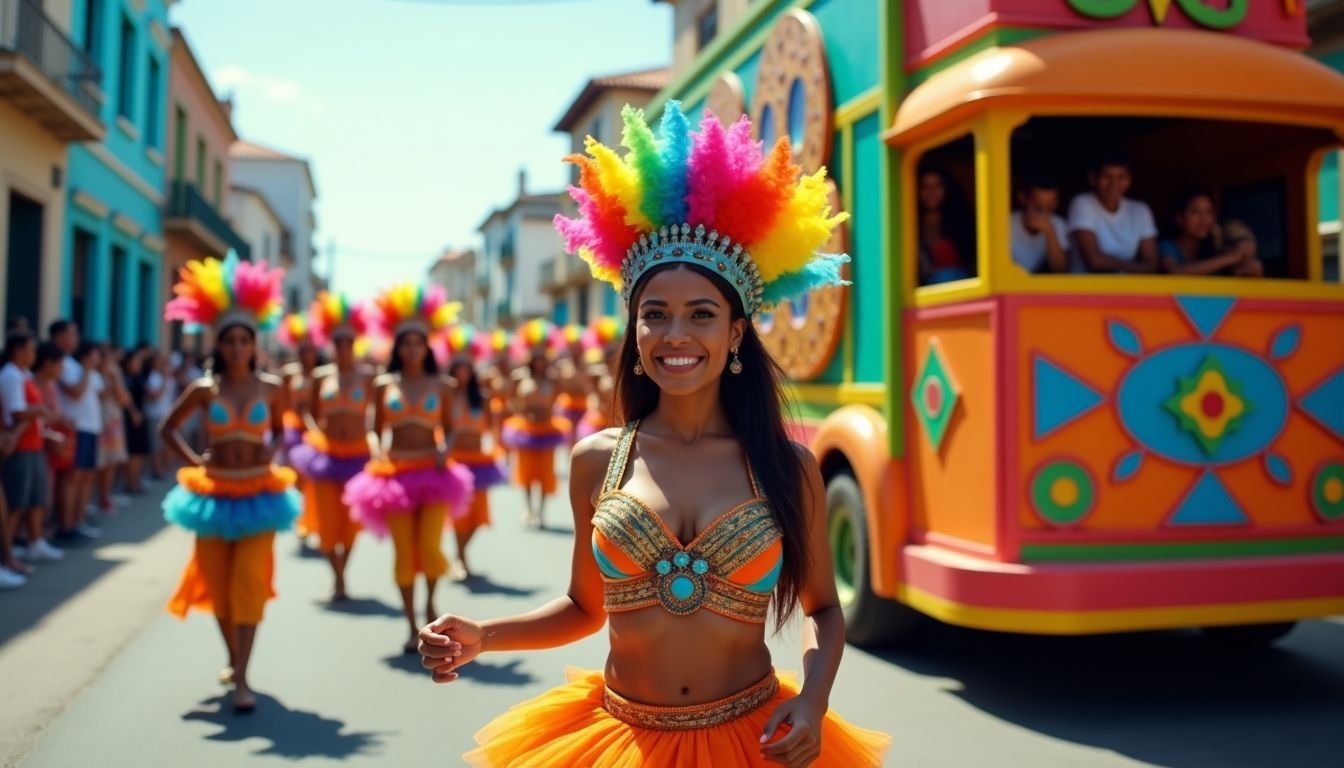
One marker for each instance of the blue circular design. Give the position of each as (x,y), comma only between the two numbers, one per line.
(797,112)
(431,403)
(681,559)
(663,567)
(682,588)
(700,567)
(1150,383)
(356,394)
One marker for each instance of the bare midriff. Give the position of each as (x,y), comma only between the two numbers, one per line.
(237,454)
(661,659)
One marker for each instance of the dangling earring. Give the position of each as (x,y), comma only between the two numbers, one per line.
(639,367)
(736,365)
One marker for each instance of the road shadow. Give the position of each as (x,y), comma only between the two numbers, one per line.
(51,584)
(555,529)
(291,733)
(487,672)
(360,606)
(482,585)
(406,662)
(1164,698)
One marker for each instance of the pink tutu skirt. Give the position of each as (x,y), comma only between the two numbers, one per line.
(387,488)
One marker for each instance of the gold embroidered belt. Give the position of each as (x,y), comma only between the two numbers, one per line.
(694,716)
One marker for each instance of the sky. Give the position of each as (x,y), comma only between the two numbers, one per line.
(416,115)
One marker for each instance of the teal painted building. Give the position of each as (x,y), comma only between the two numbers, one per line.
(114,241)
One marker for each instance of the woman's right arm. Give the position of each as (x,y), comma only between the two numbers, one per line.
(192,398)
(452,641)
(375,436)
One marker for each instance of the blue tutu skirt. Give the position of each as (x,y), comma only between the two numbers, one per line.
(233,508)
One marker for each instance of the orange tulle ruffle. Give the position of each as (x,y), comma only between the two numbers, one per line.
(292,420)
(337,449)
(235,485)
(569,725)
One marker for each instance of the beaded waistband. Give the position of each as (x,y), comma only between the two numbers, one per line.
(693,716)
(709,591)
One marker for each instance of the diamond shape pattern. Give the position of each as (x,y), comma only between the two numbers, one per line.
(935,395)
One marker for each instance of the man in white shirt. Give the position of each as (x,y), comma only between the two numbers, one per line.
(80,387)
(1112,233)
(1038,237)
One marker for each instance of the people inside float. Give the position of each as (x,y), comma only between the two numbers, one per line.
(1198,246)
(335,444)
(946,228)
(410,487)
(232,497)
(1111,232)
(1039,238)
(470,448)
(667,554)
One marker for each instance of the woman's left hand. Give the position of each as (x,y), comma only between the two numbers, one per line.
(800,745)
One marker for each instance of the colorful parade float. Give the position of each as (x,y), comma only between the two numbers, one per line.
(1060,453)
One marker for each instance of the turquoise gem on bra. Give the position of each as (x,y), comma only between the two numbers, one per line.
(682,588)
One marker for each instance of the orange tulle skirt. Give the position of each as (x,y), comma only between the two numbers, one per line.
(572,726)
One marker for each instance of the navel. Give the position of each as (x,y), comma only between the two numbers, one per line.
(685,691)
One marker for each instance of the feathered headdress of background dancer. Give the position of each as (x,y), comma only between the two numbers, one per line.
(709,198)
(217,294)
(533,336)
(409,307)
(294,330)
(602,331)
(331,315)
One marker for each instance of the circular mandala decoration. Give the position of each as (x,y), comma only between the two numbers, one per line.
(1062,492)
(1327,492)
(726,99)
(793,90)
(803,335)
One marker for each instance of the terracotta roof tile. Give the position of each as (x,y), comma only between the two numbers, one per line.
(247,150)
(649,80)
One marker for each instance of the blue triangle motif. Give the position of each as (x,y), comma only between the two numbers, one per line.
(1058,397)
(1208,503)
(1206,313)
(1325,403)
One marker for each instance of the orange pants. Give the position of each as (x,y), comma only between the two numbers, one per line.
(535,466)
(307,522)
(334,525)
(233,579)
(478,514)
(417,541)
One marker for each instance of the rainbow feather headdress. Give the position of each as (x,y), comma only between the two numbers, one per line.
(407,307)
(218,294)
(294,330)
(709,198)
(331,315)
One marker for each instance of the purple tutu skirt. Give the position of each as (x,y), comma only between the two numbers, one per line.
(518,434)
(374,496)
(314,464)
(486,475)
(292,437)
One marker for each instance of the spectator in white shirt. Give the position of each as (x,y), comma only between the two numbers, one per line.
(1038,237)
(80,387)
(1113,233)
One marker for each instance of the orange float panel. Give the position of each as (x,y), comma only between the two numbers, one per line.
(1180,425)
(952,409)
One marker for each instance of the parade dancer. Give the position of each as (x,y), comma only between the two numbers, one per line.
(533,432)
(571,400)
(698,234)
(471,426)
(335,444)
(298,379)
(410,487)
(232,497)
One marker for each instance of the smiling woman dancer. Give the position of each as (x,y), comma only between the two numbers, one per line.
(698,235)
(410,487)
(231,496)
(335,445)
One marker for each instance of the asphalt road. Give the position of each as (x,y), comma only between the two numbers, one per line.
(94,673)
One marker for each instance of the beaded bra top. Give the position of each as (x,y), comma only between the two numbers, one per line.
(223,424)
(337,400)
(730,568)
(398,411)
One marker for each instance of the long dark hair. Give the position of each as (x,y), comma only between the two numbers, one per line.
(394,365)
(754,404)
(475,399)
(217,360)
(1209,245)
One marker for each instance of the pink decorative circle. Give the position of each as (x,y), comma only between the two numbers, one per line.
(933,397)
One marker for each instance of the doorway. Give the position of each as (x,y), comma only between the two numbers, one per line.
(23,256)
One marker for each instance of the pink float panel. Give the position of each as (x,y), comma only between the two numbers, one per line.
(934,28)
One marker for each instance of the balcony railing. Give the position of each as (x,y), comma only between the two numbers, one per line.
(36,55)
(188,210)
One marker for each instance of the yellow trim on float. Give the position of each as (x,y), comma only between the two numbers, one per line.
(1092,622)
(857,108)
(839,394)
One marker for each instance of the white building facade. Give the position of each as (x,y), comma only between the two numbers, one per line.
(287,184)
